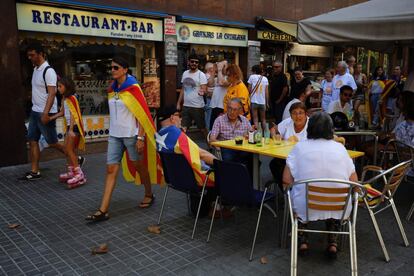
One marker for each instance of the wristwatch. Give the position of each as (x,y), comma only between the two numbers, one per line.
(142,138)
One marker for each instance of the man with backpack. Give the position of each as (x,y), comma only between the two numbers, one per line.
(44,102)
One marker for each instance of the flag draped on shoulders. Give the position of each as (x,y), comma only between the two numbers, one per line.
(172,139)
(133,98)
(387,86)
(73,104)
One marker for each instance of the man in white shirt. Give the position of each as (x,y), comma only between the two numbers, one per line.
(44,101)
(344,103)
(341,79)
(192,96)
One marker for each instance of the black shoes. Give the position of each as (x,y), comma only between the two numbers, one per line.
(31,176)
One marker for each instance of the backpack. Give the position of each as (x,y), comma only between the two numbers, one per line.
(58,96)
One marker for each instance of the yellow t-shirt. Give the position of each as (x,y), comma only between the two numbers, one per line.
(238,91)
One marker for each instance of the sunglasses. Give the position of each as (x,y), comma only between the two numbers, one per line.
(277,66)
(115,68)
(194,61)
(349,95)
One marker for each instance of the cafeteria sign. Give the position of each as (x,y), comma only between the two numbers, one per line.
(275,36)
(67,21)
(211,35)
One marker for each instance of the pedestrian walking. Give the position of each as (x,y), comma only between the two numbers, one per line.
(259,95)
(220,90)
(210,71)
(74,135)
(237,89)
(191,99)
(326,87)
(44,102)
(131,138)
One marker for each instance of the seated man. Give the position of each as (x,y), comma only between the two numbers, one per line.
(344,103)
(227,127)
(170,138)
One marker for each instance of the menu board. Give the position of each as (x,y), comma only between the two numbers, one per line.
(171,53)
(151,86)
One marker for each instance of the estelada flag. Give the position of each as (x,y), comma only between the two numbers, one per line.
(73,104)
(172,139)
(131,95)
(387,86)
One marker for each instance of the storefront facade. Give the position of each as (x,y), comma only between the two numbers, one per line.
(80,45)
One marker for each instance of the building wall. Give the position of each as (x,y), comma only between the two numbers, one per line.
(12,132)
(235,10)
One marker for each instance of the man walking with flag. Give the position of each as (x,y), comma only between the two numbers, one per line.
(131,139)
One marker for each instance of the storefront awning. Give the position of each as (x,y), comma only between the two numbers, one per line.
(376,24)
(286,27)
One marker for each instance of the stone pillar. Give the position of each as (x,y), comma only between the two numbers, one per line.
(12,139)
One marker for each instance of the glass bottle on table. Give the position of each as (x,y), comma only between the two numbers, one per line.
(258,136)
(267,135)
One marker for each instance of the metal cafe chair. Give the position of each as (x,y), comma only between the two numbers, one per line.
(216,151)
(235,187)
(377,201)
(320,198)
(179,176)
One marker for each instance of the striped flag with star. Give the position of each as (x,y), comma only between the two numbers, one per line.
(131,95)
(171,139)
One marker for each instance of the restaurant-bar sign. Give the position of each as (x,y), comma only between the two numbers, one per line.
(211,35)
(67,21)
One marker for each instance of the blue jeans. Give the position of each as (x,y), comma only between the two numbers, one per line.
(37,128)
(375,107)
(207,115)
(239,157)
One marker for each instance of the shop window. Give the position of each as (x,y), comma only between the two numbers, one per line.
(87,62)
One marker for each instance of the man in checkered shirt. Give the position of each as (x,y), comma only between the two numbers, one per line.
(227,127)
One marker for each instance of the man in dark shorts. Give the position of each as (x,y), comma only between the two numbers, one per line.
(192,96)
(44,101)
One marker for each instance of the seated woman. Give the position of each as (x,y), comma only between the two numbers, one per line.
(314,158)
(292,129)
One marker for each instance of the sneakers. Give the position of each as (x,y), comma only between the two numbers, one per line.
(77,180)
(81,160)
(31,176)
(64,177)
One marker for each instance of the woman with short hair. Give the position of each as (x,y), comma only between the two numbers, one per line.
(314,158)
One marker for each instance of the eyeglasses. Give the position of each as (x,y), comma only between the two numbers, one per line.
(233,109)
(298,113)
(115,67)
(194,61)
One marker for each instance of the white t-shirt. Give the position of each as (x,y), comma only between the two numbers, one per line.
(39,94)
(339,81)
(67,113)
(286,113)
(218,95)
(336,106)
(318,159)
(122,122)
(259,97)
(191,86)
(286,129)
(327,94)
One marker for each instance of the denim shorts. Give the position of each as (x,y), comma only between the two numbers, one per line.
(37,128)
(117,146)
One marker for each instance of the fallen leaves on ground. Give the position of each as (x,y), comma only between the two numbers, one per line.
(155,229)
(102,249)
(263,260)
(13,225)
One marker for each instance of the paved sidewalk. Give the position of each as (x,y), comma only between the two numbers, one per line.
(54,239)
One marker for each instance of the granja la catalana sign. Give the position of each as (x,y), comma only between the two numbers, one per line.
(67,21)
(212,35)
